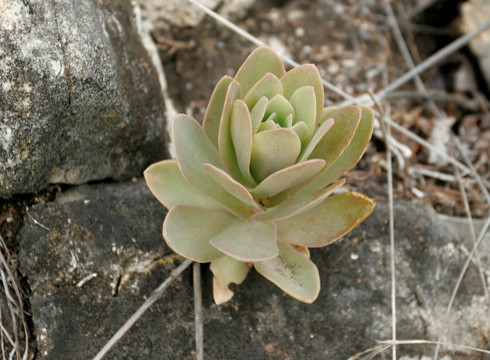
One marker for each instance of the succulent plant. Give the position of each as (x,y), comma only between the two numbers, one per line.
(253,185)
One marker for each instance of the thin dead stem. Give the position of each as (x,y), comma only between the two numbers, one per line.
(385,345)
(15,306)
(472,232)
(433,59)
(196,272)
(458,283)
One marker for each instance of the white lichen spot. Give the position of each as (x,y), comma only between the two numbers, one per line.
(354,256)
(73,262)
(58,68)
(7,85)
(26,103)
(27,88)
(6,137)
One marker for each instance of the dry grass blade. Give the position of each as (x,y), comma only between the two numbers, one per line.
(15,305)
(196,275)
(472,232)
(434,59)
(426,342)
(472,170)
(389,175)
(154,297)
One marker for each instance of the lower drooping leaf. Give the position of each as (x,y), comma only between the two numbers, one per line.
(293,273)
(247,241)
(170,188)
(227,270)
(187,231)
(326,222)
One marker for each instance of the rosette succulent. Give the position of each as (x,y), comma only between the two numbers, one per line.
(253,186)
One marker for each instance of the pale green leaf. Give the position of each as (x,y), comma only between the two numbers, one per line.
(287,178)
(336,140)
(297,205)
(260,62)
(241,134)
(301,130)
(281,107)
(351,155)
(225,142)
(257,113)
(327,114)
(304,75)
(188,230)
(231,185)
(170,188)
(247,241)
(227,270)
(288,122)
(268,86)
(317,136)
(326,222)
(273,150)
(212,116)
(193,149)
(303,101)
(269,124)
(293,273)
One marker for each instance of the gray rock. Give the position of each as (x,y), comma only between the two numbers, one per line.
(79,97)
(475,13)
(114,231)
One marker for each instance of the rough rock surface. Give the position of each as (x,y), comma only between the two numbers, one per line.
(114,231)
(79,96)
(475,13)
